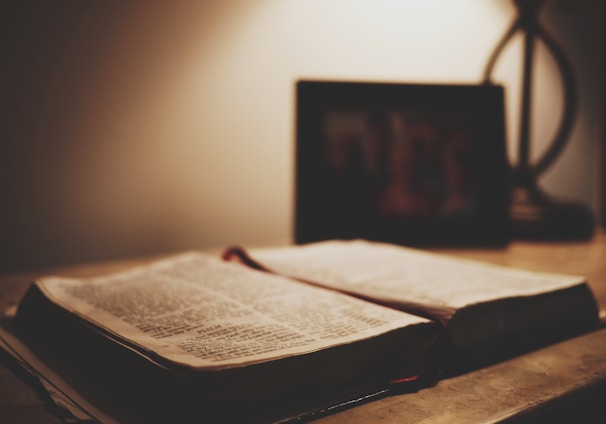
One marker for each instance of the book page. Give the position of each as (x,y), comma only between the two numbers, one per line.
(201,312)
(396,274)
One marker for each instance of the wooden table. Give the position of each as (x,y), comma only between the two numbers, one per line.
(564,382)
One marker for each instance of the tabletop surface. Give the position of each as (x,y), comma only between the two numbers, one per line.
(566,377)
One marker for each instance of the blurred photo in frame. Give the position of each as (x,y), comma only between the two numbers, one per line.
(416,164)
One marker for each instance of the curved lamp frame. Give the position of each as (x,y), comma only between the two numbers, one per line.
(533,213)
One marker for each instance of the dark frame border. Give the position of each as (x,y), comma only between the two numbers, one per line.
(489,225)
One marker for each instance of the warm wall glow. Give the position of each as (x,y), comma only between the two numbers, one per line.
(150,128)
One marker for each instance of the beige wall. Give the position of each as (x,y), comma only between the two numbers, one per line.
(142,128)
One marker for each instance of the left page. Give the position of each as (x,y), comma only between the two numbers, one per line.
(203,313)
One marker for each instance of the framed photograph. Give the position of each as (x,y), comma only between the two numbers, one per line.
(416,164)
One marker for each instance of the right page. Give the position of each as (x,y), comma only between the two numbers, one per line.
(486,307)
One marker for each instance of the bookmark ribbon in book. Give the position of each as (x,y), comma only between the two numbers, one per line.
(238,254)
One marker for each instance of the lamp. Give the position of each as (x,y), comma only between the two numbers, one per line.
(534,214)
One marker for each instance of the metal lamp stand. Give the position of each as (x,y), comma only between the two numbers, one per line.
(535,214)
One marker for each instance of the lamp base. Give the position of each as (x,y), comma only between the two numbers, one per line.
(537,216)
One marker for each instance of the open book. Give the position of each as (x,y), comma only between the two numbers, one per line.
(195,338)
(489,312)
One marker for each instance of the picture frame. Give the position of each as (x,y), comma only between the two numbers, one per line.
(412,164)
